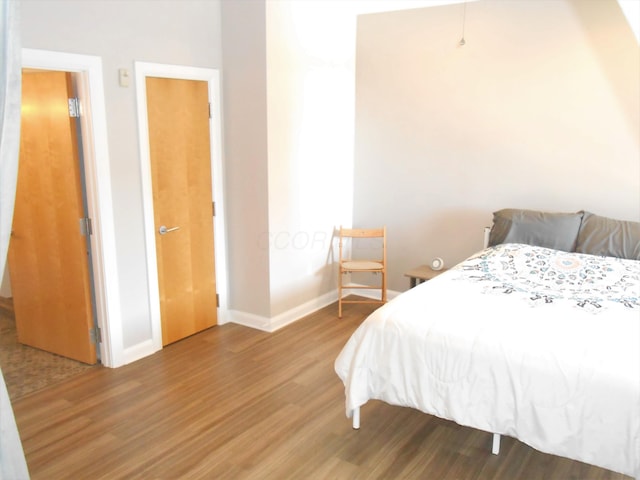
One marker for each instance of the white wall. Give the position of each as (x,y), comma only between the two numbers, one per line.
(245,145)
(310,128)
(540,109)
(310,117)
(311,112)
(308,80)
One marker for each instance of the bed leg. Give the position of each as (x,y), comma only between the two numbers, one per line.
(356,418)
(495,447)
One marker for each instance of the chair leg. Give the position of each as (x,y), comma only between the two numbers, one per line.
(384,287)
(339,295)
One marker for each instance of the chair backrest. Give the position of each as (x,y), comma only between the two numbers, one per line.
(363,233)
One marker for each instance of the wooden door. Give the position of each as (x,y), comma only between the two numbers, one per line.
(48,255)
(180,150)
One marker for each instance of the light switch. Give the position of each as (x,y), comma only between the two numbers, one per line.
(123,76)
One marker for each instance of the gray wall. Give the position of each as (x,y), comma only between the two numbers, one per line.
(245,144)
(540,109)
(183,33)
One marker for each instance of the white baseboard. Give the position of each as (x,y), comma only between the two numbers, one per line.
(266,324)
(224,316)
(248,320)
(272,324)
(138,351)
(303,310)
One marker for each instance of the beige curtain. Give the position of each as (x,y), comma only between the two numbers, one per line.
(12,462)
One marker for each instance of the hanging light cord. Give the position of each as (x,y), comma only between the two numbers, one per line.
(464,21)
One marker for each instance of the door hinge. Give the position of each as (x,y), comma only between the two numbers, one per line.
(95,335)
(74,107)
(213,208)
(85,227)
(210,115)
(217,300)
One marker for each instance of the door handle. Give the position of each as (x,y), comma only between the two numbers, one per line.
(164,230)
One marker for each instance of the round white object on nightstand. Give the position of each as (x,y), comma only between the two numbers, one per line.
(437,264)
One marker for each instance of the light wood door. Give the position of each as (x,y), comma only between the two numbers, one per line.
(48,255)
(180,150)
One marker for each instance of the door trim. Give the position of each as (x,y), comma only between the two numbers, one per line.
(88,72)
(212,77)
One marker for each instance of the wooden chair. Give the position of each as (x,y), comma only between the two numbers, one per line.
(362,250)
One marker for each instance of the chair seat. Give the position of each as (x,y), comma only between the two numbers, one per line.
(354,265)
(369,264)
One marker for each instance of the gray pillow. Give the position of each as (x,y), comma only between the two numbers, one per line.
(542,229)
(609,237)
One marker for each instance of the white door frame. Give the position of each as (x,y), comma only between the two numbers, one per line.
(212,77)
(88,70)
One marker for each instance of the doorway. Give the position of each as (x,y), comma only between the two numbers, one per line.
(49,256)
(180,162)
(88,71)
(186,301)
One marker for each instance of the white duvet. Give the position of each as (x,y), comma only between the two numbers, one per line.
(517,340)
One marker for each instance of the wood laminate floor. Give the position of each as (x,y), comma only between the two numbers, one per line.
(237,403)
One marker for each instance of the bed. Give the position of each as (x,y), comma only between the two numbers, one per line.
(537,339)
